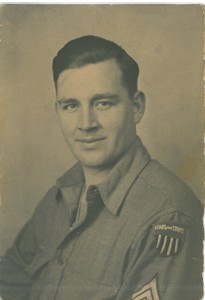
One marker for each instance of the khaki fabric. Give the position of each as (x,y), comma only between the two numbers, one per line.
(114,251)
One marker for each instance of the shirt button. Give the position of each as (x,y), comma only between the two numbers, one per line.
(92,189)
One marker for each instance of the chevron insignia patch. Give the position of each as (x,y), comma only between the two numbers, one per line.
(147,292)
(169,238)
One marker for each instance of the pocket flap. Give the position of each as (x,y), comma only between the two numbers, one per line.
(38,262)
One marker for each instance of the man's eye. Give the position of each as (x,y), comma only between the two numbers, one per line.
(103,105)
(70,107)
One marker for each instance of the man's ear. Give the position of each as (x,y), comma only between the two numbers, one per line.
(139,106)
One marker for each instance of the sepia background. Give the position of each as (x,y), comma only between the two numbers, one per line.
(167,42)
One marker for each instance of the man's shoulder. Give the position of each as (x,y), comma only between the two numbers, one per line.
(162,178)
(169,189)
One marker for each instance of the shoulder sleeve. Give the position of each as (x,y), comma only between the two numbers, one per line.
(166,261)
(15,281)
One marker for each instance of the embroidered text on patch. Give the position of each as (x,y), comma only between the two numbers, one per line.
(173,228)
(147,292)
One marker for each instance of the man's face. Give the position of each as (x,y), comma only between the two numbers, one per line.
(96,114)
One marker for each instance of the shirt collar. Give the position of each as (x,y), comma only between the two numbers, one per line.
(114,189)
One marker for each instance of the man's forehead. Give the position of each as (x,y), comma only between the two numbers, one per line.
(102,77)
(109,66)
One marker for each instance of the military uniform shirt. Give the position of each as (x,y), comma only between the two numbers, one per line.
(140,238)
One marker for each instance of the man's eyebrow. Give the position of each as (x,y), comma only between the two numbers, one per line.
(105,96)
(66,100)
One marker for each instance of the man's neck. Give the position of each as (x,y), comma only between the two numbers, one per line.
(95,176)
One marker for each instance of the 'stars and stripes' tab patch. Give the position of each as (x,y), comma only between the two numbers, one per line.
(147,292)
(169,238)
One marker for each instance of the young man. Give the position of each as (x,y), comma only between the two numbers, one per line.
(117,225)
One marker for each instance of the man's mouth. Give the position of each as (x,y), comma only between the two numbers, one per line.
(89,140)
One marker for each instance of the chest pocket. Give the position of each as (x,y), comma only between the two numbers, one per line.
(79,286)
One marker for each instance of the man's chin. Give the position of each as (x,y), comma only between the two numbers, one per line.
(96,159)
(92,164)
(90,161)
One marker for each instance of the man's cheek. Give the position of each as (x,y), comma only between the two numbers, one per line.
(117,128)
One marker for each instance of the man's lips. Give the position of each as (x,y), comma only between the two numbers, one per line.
(90,140)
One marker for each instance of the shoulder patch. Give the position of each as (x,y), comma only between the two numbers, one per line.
(147,292)
(169,237)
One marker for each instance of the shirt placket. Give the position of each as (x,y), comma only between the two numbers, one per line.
(64,252)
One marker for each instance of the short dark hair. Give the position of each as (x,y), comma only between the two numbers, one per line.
(91,49)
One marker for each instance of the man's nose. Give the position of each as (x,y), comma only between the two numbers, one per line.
(87,119)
